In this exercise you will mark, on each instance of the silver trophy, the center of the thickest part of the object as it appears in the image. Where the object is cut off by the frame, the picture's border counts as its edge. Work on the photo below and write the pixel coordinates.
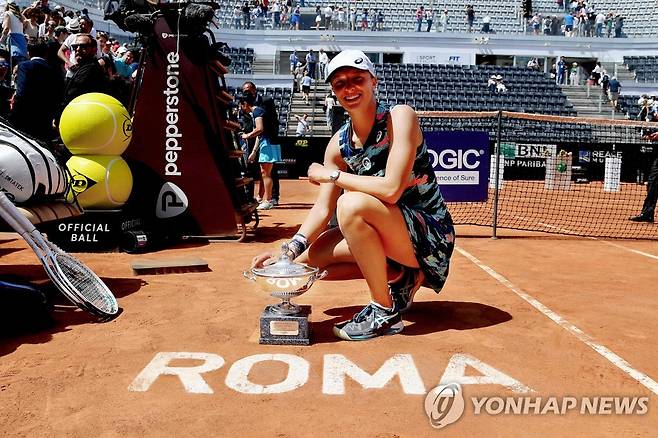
(286, 322)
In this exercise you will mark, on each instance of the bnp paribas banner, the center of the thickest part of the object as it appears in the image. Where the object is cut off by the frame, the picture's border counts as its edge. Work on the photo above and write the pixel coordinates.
(461, 163)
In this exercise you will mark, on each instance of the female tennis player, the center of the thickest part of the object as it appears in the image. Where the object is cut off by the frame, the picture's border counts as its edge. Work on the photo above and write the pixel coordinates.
(378, 179)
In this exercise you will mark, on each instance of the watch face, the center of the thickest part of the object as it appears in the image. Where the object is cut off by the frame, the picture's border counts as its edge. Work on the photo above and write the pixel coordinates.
(334, 175)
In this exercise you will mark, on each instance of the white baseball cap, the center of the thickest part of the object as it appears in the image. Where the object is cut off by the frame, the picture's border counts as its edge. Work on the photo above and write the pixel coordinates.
(350, 58)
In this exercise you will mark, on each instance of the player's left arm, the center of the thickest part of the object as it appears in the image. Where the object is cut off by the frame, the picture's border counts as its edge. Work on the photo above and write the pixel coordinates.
(404, 135)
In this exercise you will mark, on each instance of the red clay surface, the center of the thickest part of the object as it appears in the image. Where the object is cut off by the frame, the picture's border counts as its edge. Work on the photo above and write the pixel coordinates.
(72, 380)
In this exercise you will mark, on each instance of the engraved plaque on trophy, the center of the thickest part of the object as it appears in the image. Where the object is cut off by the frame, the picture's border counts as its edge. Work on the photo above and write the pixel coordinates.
(285, 323)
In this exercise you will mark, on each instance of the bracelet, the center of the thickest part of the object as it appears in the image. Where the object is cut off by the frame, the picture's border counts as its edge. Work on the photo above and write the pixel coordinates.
(297, 245)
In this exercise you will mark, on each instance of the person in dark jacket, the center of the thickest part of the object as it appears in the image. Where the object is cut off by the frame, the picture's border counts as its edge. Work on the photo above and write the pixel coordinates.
(88, 75)
(39, 90)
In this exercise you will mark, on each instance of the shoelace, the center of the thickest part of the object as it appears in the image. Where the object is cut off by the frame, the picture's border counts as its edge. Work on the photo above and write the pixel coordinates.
(364, 313)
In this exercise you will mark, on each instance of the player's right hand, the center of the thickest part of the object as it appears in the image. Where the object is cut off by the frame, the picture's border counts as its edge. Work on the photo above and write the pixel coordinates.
(264, 259)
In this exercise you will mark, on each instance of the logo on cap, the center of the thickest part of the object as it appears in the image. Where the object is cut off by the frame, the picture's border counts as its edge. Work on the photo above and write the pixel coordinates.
(358, 60)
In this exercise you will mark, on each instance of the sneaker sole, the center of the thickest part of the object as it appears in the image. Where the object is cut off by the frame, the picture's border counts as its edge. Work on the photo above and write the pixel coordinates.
(393, 330)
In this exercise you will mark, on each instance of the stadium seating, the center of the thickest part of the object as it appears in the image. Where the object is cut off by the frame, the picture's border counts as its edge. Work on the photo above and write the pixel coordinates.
(645, 68)
(241, 59)
(399, 15)
(432, 87)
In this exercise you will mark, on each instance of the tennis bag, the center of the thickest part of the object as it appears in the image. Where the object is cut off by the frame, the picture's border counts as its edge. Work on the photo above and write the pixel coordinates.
(28, 170)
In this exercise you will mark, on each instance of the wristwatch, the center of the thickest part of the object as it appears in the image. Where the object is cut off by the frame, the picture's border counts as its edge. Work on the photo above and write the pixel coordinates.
(333, 176)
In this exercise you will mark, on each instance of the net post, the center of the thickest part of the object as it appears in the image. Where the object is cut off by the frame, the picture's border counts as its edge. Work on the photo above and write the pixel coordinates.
(496, 174)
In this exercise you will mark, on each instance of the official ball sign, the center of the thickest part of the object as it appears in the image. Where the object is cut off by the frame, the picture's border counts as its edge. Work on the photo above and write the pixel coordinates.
(461, 164)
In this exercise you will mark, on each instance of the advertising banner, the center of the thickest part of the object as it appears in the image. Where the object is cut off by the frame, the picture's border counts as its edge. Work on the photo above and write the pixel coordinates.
(180, 166)
(461, 163)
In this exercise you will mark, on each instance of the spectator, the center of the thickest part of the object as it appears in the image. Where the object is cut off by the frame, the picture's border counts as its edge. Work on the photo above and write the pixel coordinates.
(323, 59)
(561, 68)
(643, 103)
(318, 21)
(341, 18)
(470, 17)
(533, 64)
(379, 14)
(491, 84)
(599, 22)
(619, 24)
(87, 74)
(294, 60)
(298, 75)
(237, 16)
(246, 16)
(65, 53)
(39, 90)
(303, 128)
(604, 82)
(574, 74)
(364, 19)
(353, 18)
(306, 87)
(328, 14)
(501, 88)
(31, 15)
(276, 15)
(106, 58)
(420, 12)
(614, 88)
(486, 24)
(609, 21)
(429, 17)
(124, 63)
(535, 23)
(596, 73)
(311, 62)
(547, 25)
(12, 32)
(295, 19)
(329, 103)
(445, 20)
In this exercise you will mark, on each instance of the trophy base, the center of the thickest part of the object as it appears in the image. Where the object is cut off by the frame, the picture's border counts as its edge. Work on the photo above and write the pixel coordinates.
(280, 329)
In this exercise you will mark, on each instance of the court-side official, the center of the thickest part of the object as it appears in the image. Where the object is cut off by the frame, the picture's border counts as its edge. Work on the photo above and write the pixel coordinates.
(271, 127)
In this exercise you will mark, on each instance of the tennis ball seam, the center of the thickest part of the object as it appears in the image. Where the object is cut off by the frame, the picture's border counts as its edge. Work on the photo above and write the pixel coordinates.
(114, 119)
(108, 184)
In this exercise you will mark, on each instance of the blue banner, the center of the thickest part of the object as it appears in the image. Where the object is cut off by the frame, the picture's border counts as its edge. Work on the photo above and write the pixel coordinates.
(461, 162)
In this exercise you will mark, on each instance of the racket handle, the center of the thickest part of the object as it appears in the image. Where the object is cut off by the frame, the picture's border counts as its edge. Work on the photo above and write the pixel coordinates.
(13, 217)
(7, 210)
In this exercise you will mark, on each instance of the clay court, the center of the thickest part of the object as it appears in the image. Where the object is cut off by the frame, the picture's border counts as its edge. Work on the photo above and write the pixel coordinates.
(556, 316)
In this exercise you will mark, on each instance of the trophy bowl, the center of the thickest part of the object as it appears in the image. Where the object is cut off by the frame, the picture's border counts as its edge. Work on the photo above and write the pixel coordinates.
(285, 279)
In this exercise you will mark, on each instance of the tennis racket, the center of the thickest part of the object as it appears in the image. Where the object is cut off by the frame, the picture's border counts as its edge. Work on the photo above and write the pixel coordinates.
(73, 278)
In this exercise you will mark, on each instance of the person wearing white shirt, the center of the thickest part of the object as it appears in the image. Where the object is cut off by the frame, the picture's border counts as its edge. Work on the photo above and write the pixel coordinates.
(328, 14)
(599, 22)
(323, 59)
(303, 128)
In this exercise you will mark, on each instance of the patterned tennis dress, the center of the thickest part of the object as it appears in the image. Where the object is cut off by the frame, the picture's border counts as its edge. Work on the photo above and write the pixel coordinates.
(425, 213)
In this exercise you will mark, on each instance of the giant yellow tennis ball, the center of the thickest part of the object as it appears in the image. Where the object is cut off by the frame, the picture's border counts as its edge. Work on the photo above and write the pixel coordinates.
(97, 124)
(101, 182)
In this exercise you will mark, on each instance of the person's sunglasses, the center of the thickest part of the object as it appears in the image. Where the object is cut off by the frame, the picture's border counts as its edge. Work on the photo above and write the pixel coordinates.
(4, 64)
(82, 46)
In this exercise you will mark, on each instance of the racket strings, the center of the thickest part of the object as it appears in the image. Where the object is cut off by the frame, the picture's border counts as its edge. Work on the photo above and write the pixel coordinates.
(86, 284)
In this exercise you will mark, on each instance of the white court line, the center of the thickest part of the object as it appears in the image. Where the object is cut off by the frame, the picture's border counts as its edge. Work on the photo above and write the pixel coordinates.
(642, 253)
(613, 358)
(564, 230)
